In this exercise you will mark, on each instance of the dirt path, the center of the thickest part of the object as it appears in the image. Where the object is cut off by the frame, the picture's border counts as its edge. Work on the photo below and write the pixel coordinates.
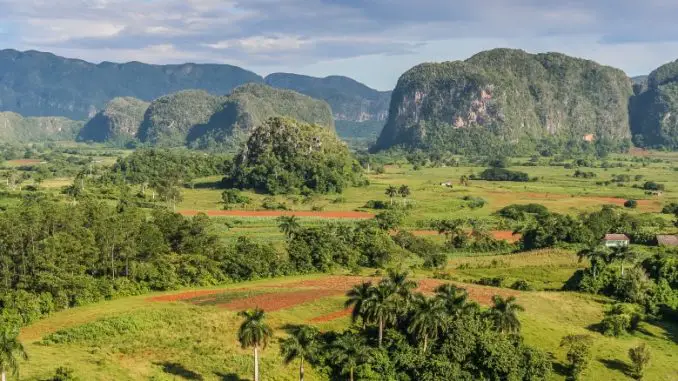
(277, 213)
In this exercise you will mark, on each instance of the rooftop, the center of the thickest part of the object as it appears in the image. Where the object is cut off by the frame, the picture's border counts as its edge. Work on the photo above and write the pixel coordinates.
(616, 237)
(667, 240)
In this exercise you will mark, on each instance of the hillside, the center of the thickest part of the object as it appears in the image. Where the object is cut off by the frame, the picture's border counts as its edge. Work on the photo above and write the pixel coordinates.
(16, 128)
(350, 100)
(43, 84)
(118, 121)
(654, 109)
(506, 98)
(202, 120)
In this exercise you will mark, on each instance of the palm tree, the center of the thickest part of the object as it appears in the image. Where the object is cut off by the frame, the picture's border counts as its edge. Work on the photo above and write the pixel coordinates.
(623, 254)
(10, 349)
(402, 286)
(453, 298)
(504, 312)
(453, 230)
(302, 344)
(348, 351)
(289, 225)
(404, 192)
(391, 192)
(596, 256)
(380, 307)
(429, 318)
(254, 333)
(356, 298)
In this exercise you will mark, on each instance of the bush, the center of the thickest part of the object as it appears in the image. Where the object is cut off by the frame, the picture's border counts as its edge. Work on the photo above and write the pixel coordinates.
(652, 186)
(519, 212)
(377, 204)
(502, 174)
(671, 208)
(269, 203)
(493, 282)
(640, 358)
(632, 204)
(620, 320)
(474, 202)
(522, 285)
(234, 196)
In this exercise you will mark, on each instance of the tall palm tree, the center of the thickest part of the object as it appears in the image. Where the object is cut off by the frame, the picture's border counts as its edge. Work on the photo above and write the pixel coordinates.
(504, 312)
(380, 307)
(254, 333)
(289, 225)
(404, 192)
(402, 286)
(597, 257)
(623, 254)
(429, 318)
(453, 298)
(391, 192)
(10, 350)
(302, 344)
(357, 296)
(349, 351)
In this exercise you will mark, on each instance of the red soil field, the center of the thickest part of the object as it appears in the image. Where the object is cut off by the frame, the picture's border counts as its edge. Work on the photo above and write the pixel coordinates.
(331, 316)
(497, 234)
(279, 301)
(278, 213)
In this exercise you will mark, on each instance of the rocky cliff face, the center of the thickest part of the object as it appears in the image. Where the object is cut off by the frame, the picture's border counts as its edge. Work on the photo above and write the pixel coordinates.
(119, 121)
(654, 109)
(506, 96)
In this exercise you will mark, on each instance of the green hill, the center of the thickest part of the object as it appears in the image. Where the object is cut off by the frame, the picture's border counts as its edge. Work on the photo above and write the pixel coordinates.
(43, 84)
(654, 109)
(506, 99)
(118, 121)
(16, 128)
(203, 120)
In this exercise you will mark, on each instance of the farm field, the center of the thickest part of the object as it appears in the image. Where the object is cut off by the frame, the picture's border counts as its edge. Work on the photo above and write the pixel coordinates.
(192, 334)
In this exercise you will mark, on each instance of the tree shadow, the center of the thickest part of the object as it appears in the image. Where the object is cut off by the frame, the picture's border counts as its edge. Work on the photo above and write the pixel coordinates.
(595, 327)
(560, 368)
(617, 365)
(229, 377)
(179, 370)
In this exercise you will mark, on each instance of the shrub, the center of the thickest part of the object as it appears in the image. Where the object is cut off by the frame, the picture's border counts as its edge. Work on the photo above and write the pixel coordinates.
(632, 204)
(619, 320)
(502, 174)
(474, 202)
(234, 196)
(652, 186)
(671, 208)
(578, 354)
(640, 358)
(519, 212)
(377, 204)
(522, 285)
(269, 203)
(493, 282)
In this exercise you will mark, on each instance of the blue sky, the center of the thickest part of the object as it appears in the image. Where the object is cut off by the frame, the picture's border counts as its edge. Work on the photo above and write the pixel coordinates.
(373, 41)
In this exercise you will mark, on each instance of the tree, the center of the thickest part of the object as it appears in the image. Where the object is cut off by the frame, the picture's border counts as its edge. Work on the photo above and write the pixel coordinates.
(640, 357)
(404, 192)
(402, 286)
(453, 230)
(428, 319)
(453, 298)
(254, 333)
(302, 344)
(391, 192)
(464, 180)
(349, 351)
(380, 307)
(357, 298)
(596, 256)
(623, 254)
(289, 225)
(10, 350)
(578, 354)
(504, 312)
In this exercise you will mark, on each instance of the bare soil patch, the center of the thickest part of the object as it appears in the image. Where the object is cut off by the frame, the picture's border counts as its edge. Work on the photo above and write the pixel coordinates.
(277, 213)
(24, 161)
(279, 301)
(332, 316)
(184, 296)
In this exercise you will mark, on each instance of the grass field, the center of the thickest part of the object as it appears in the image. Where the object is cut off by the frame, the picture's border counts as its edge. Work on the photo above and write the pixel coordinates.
(193, 335)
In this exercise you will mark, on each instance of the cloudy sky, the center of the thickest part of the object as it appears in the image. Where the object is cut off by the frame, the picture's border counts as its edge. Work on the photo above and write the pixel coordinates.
(373, 41)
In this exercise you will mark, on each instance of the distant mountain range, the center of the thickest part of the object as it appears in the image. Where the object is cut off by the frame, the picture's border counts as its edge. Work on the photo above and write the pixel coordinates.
(42, 84)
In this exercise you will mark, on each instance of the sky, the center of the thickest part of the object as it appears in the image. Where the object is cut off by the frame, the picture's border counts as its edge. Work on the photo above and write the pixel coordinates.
(373, 41)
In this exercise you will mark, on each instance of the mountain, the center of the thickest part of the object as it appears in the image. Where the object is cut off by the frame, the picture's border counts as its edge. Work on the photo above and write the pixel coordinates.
(16, 128)
(654, 109)
(350, 100)
(506, 98)
(202, 120)
(118, 121)
(42, 84)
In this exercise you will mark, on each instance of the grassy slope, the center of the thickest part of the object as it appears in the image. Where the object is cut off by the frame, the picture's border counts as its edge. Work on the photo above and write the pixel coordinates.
(201, 340)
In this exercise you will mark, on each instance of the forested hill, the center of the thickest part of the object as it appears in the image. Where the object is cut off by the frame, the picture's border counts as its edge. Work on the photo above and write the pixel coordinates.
(43, 84)
(16, 128)
(507, 98)
(654, 109)
(350, 100)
